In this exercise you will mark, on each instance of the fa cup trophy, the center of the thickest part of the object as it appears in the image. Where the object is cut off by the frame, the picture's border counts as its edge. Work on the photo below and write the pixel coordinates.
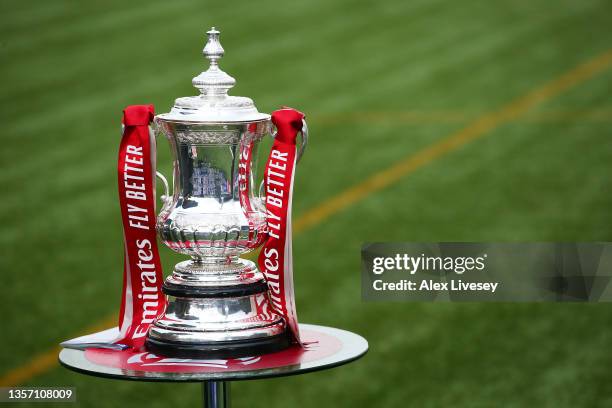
(216, 317)
(218, 304)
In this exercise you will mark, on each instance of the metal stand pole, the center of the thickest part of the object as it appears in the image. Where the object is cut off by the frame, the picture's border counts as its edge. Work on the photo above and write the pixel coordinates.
(216, 394)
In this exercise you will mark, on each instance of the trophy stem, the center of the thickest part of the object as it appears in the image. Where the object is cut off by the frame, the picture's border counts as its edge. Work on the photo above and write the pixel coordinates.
(214, 260)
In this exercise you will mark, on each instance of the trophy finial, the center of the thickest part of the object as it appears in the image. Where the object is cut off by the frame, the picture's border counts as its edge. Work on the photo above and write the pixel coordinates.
(213, 49)
(213, 81)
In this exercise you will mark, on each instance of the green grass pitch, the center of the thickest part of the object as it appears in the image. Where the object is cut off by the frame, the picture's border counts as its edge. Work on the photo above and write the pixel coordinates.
(379, 81)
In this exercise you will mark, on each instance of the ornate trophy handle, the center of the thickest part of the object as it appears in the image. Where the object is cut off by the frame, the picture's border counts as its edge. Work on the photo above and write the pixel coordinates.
(166, 196)
(300, 152)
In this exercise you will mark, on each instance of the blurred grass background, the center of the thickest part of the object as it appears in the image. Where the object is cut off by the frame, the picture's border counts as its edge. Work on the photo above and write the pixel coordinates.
(379, 81)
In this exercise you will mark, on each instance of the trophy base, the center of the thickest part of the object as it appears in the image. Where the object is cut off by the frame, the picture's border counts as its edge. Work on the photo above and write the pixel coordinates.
(219, 349)
(217, 310)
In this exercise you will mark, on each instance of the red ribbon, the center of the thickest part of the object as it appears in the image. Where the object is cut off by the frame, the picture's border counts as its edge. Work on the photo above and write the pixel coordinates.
(275, 258)
(142, 300)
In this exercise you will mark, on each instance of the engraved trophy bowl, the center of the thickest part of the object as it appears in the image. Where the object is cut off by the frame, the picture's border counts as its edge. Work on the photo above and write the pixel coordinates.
(218, 304)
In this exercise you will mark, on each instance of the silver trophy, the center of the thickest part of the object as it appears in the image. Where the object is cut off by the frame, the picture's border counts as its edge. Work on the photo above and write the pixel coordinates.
(218, 305)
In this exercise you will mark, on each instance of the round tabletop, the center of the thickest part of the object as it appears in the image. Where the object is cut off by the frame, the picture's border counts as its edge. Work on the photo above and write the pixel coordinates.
(324, 347)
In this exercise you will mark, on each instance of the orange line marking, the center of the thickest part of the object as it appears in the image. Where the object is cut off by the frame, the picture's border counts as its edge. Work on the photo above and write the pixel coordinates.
(474, 130)
(47, 360)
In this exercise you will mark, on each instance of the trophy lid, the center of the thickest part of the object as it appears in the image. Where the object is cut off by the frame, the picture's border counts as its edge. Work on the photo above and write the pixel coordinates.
(213, 105)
